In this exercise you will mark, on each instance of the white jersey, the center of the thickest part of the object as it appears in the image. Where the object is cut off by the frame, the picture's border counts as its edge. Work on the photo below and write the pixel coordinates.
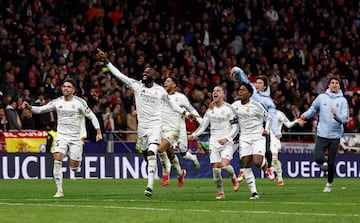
(171, 119)
(223, 124)
(282, 120)
(83, 132)
(148, 100)
(251, 117)
(70, 116)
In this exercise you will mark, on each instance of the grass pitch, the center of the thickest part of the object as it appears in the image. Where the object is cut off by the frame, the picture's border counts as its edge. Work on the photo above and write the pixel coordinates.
(300, 200)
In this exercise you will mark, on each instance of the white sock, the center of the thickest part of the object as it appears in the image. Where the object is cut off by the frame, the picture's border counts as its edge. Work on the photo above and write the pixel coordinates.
(189, 156)
(277, 164)
(250, 179)
(58, 175)
(229, 170)
(152, 166)
(176, 164)
(218, 180)
(165, 163)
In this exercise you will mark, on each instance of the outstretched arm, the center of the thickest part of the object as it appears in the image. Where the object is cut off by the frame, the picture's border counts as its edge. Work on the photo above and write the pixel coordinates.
(282, 118)
(122, 77)
(39, 109)
(239, 74)
(202, 127)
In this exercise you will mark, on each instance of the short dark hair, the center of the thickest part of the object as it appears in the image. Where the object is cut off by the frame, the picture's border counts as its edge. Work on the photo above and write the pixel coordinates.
(334, 78)
(248, 87)
(264, 79)
(69, 80)
(174, 80)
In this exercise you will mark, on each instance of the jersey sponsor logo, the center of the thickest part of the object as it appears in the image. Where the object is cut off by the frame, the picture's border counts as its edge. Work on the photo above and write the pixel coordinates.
(62, 113)
(149, 99)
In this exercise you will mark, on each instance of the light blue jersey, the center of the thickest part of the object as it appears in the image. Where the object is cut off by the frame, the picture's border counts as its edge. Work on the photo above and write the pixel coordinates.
(330, 126)
(263, 98)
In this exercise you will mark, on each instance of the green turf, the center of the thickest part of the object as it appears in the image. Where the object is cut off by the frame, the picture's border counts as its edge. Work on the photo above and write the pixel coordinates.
(300, 200)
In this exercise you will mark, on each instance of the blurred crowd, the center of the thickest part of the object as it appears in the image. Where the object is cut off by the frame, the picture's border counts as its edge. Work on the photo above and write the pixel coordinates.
(297, 44)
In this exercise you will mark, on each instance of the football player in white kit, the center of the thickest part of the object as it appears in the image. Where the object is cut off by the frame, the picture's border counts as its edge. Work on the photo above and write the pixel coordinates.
(275, 144)
(261, 95)
(149, 97)
(70, 110)
(174, 131)
(223, 128)
(252, 142)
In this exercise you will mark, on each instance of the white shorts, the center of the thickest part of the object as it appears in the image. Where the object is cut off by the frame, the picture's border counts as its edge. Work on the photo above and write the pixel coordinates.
(275, 145)
(224, 151)
(69, 146)
(149, 136)
(251, 145)
(171, 136)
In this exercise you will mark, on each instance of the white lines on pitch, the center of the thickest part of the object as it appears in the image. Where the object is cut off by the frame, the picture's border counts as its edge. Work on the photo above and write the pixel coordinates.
(186, 210)
(175, 201)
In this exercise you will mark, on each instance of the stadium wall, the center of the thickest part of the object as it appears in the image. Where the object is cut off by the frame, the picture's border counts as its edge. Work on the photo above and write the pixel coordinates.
(132, 165)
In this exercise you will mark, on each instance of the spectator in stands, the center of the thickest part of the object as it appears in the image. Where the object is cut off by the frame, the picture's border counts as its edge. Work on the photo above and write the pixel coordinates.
(3, 120)
(243, 37)
(91, 131)
(12, 116)
(119, 117)
(108, 121)
(9, 86)
(131, 125)
(27, 120)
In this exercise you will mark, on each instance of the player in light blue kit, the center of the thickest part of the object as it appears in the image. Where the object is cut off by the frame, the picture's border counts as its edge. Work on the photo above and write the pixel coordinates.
(333, 111)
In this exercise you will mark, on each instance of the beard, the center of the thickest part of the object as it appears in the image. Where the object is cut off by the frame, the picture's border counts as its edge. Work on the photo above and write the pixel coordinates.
(146, 80)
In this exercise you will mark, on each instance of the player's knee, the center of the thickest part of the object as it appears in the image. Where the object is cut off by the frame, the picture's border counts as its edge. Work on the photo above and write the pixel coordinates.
(274, 159)
(261, 163)
(150, 153)
(275, 162)
(151, 157)
(171, 157)
(75, 168)
(183, 148)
